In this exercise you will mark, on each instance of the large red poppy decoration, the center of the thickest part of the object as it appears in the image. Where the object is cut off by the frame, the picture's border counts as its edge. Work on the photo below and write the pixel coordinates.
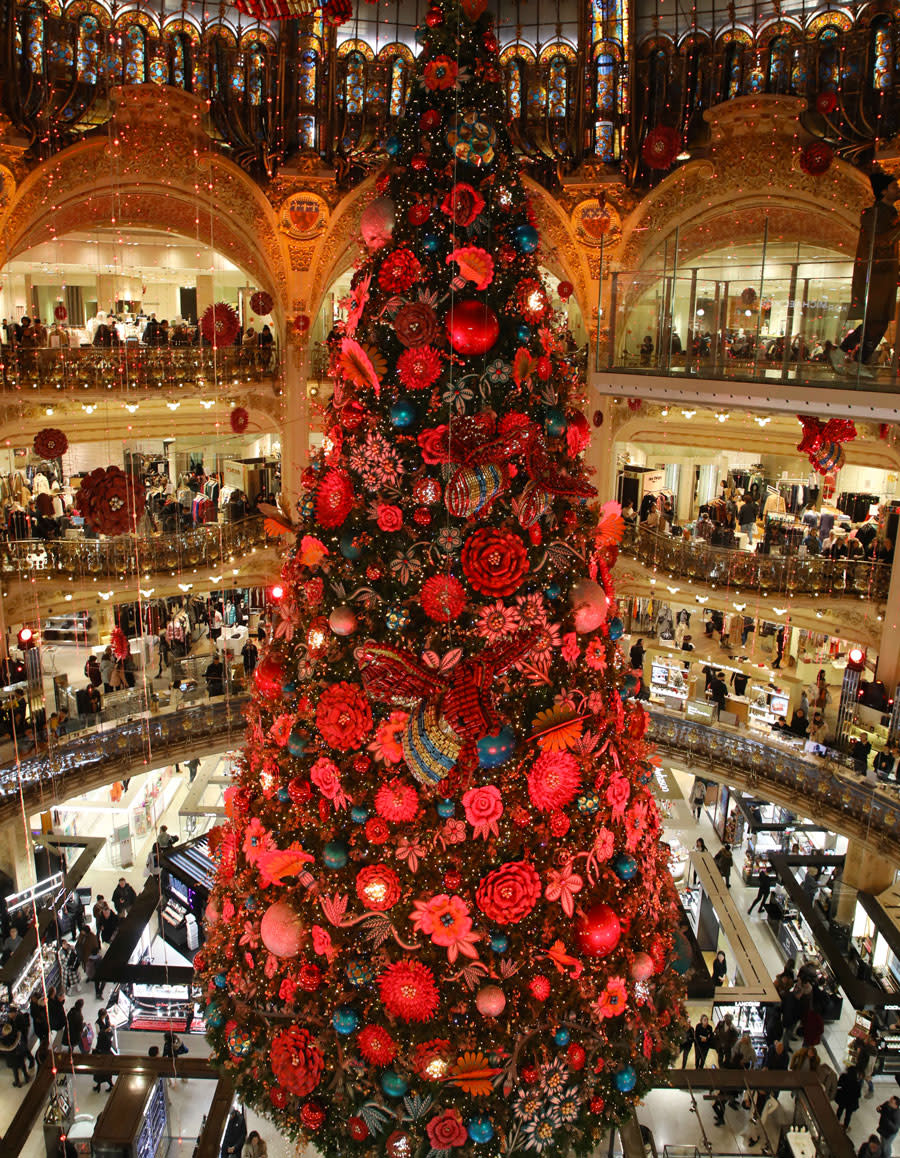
(661, 146)
(220, 324)
(50, 443)
(816, 158)
(261, 303)
(110, 500)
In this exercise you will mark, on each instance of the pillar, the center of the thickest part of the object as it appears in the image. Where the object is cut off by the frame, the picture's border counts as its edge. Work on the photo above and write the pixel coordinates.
(206, 294)
(863, 870)
(105, 621)
(889, 647)
(295, 428)
(15, 854)
(601, 454)
(106, 292)
(685, 496)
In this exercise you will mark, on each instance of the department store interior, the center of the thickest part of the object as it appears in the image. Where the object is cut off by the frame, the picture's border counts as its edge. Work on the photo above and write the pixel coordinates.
(698, 174)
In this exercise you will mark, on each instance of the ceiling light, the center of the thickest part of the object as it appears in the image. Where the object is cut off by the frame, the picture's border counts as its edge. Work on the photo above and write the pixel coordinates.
(173, 405)
(88, 409)
(739, 606)
(49, 411)
(206, 404)
(722, 417)
(131, 407)
(763, 421)
(106, 594)
(779, 610)
(702, 598)
(146, 591)
(689, 413)
(185, 586)
(672, 590)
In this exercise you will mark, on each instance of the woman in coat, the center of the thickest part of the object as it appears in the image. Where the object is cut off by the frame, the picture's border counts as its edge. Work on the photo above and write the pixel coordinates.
(848, 1093)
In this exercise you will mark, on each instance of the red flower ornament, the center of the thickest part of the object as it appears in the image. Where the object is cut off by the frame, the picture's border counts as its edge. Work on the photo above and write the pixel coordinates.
(816, 158)
(296, 1060)
(50, 443)
(441, 73)
(661, 146)
(494, 561)
(409, 991)
(508, 894)
(239, 419)
(220, 324)
(343, 716)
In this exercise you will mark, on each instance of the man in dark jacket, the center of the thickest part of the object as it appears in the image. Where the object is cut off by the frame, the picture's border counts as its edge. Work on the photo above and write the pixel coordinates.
(724, 860)
(888, 1123)
(123, 896)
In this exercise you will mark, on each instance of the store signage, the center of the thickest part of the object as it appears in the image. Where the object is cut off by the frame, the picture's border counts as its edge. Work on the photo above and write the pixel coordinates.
(654, 481)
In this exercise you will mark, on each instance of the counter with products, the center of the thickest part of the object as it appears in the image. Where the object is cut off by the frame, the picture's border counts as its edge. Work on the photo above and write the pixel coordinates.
(766, 706)
(42, 963)
(155, 1008)
(669, 683)
(134, 1123)
(747, 1017)
(888, 1039)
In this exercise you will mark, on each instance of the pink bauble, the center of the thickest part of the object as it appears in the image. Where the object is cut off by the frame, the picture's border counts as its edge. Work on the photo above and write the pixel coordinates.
(376, 223)
(211, 913)
(491, 1001)
(269, 676)
(642, 968)
(472, 327)
(281, 930)
(589, 602)
(342, 620)
(598, 931)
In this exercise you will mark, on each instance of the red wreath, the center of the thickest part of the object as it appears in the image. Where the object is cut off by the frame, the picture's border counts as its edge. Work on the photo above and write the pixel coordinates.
(301, 324)
(110, 500)
(50, 443)
(119, 643)
(826, 103)
(816, 158)
(240, 420)
(661, 146)
(261, 303)
(220, 324)
(60, 313)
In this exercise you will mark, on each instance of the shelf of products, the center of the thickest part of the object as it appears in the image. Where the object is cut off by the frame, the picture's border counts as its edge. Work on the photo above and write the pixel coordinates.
(668, 684)
(678, 859)
(154, 1124)
(747, 1018)
(42, 961)
(766, 706)
(155, 1008)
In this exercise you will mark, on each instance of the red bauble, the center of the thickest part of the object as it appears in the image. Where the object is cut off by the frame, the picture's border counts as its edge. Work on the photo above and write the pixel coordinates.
(261, 303)
(357, 1129)
(530, 1075)
(540, 988)
(239, 419)
(430, 119)
(418, 214)
(434, 18)
(826, 103)
(598, 418)
(301, 323)
(575, 1056)
(816, 158)
(565, 289)
(312, 1115)
(310, 977)
(598, 931)
(661, 146)
(472, 327)
(269, 676)
(418, 162)
(398, 1145)
(452, 880)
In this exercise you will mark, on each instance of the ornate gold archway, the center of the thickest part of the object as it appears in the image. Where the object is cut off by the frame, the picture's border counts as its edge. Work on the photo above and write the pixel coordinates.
(154, 168)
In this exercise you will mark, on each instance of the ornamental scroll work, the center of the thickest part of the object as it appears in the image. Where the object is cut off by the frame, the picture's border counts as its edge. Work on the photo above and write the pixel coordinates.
(303, 216)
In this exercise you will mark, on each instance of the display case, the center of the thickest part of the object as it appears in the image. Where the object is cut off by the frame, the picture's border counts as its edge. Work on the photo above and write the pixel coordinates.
(155, 1008)
(748, 1017)
(766, 706)
(42, 962)
(669, 684)
(135, 1120)
(701, 710)
(678, 860)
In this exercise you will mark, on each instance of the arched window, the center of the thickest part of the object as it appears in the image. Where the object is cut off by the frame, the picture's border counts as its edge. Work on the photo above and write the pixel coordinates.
(181, 61)
(604, 126)
(828, 60)
(398, 87)
(883, 55)
(355, 84)
(256, 71)
(514, 89)
(734, 67)
(557, 88)
(200, 73)
(307, 85)
(33, 46)
(238, 80)
(135, 48)
(779, 80)
(88, 49)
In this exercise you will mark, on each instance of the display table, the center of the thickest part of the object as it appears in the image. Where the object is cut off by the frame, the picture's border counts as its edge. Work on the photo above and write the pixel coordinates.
(232, 639)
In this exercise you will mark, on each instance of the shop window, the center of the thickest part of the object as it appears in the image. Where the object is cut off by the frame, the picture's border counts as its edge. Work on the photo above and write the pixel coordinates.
(88, 49)
(355, 84)
(135, 44)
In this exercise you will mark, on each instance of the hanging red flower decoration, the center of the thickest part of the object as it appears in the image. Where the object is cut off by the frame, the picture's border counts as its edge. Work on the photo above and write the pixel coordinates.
(220, 324)
(416, 324)
(816, 158)
(494, 561)
(565, 289)
(301, 324)
(419, 367)
(463, 204)
(661, 146)
(336, 12)
(408, 991)
(399, 271)
(377, 1046)
(239, 419)
(826, 103)
(343, 716)
(261, 303)
(334, 498)
(60, 312)
(443, 598)
(50, 443)
(441, 73)
(296, 1060)
(119, 643)
(508, 894)
(748, 295)
(110, 500)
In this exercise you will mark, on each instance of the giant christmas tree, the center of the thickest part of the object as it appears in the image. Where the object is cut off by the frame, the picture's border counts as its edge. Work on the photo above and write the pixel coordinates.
(443, 918)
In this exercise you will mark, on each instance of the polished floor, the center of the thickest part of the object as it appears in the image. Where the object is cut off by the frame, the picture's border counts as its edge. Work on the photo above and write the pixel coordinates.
(674, 1118)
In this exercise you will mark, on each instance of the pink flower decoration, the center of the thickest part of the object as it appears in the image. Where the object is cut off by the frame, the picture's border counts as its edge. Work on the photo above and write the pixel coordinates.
(257, 840)
(484, 807)
(321, 940)
(570, 649)
(446, 921)
(326, 776)
(562, 885)
(453, 832)
(447, 1130)
(411, 852)
(617, 795)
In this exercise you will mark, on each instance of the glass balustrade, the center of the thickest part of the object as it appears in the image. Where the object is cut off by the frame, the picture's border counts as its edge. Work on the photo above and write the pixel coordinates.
(759, 318)
(694, 559)
(134, 368)
(49, 560)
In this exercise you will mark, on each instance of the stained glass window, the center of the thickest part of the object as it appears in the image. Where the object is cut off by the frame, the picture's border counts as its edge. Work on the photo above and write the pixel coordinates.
(159, 70)
(514, 88)
(179, 61)
(256, 74)
(557, 87)
(883, 64)
(306, 130)
(309, 64)
(200, 72)
(733, 68)
(398, 88)
(88, 49)
(34, 41)
(355, 83)
(238, 84)
(610, 20)
(135, 46)
(828, 60)
(779, 65)
(604, 133)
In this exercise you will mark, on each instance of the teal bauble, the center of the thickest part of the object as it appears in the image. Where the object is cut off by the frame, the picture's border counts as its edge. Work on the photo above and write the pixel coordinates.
(523, 332)
(394, 1084)
(213, 1015)
(499, 942)
(626, 1079)
(220, 981)
(403, 413)
(345, 1019)
(334, 854)
(431, 243)
(358, 814)
(496, 750)
(297, 742)
(616, 629)
(350, 549)
(527, 238)
(562, 1036)
(626, 866)
(480, 1129)
(554, 422)
(392, 146)
(446, 809)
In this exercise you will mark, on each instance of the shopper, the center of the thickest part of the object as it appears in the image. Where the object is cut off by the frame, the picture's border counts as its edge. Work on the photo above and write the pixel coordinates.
(687, 1043)
(888, 1123)
(56, 1010)
(165, 839)
(69, 965)
(249, 655)
(123, 897)
(884, 762)
(777, 1056)
(725, 1037)
(93, 672)
(98, 908)
(860, 750)
(848, 1093)
(87, 945)
(74, 1026)
(744, 1055)
(747, 518)
(108, 924)
(719, 969)
(215, 678)
(698, 798)
(103, 1047)
(637, 655)
(703, 1040)
(254, 1147)
(173, 1046)
(75, 911)
(39, 1020)
(11, 943)
(763, 888)
(812, 1026)
(799, 723)
(724, 860)
(805, 1058)
(13, 1048)
(871, 1148)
